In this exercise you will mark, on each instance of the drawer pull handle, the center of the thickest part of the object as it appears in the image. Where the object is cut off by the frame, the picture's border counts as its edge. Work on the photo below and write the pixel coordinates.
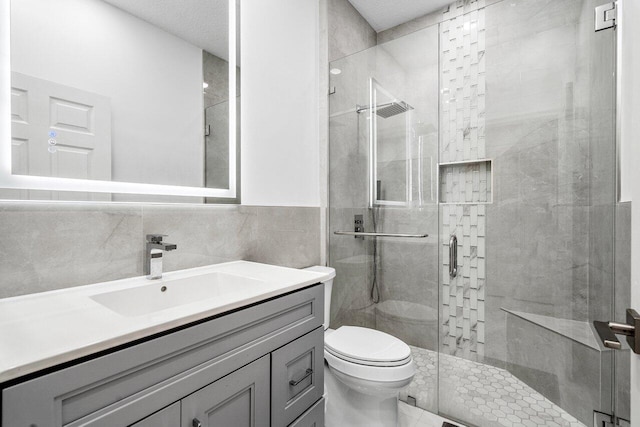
(196, 423)
(306, 375)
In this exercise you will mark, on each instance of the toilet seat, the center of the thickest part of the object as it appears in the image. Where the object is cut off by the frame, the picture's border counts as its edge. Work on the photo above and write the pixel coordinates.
(367, 347)
(369, 355)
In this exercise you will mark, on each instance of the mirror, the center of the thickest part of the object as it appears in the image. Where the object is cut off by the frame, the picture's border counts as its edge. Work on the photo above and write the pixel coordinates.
(123, 97)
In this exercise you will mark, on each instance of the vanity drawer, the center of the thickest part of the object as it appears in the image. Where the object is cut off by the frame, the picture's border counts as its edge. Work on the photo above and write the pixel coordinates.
(314, 417)
(125, 386)
(167, 417)
(297, 377)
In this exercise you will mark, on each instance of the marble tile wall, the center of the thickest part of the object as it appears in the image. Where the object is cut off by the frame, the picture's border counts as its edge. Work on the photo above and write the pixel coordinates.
(462, 139)
(465, 183)
(50, 246)
(463, 297)
(550, 229)
(538, 137)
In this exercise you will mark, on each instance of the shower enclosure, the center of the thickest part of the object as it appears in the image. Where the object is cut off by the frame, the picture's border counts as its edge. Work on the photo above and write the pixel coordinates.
(494, 125)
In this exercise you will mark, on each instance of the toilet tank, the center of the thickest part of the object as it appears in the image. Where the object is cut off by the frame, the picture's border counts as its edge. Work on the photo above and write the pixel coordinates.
(328, 287)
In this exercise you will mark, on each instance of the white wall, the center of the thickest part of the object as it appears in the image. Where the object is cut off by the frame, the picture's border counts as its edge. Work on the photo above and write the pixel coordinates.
(280, 95)
(631, 139)
(153, 78)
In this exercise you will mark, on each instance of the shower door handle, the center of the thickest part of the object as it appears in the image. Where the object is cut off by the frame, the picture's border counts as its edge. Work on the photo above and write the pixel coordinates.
(453, 256)
(608, 331)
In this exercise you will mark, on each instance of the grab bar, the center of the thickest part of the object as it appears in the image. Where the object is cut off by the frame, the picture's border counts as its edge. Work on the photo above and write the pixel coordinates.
(453, 256)
(365, 234)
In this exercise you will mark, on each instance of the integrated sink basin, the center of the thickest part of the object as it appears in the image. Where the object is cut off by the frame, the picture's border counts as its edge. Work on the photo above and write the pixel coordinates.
(50, 328)
(164, 294)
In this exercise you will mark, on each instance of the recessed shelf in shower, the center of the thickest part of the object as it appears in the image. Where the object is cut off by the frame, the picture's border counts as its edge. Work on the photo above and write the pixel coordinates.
(466, 182)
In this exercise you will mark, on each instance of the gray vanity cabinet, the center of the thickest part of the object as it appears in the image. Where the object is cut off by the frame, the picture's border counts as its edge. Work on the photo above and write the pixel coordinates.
(240, 399)
(314, 417)
(223, 371)
(297, 370)
(167, 417)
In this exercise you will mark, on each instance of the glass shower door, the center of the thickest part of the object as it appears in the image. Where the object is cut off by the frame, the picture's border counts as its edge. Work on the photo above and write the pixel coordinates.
(527, 185)
(495, 125)
(382, 164)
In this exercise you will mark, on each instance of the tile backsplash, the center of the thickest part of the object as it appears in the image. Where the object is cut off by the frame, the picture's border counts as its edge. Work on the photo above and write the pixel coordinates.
(50, 246)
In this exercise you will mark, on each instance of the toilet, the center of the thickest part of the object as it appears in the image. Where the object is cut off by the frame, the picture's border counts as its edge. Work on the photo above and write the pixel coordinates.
(364, 371)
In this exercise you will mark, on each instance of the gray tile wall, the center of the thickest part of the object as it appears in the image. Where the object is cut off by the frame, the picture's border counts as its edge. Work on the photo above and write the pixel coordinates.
(564, 371)
(406, 269)
(550, 230)
(50, 246)
(537, 227)
(348, 31)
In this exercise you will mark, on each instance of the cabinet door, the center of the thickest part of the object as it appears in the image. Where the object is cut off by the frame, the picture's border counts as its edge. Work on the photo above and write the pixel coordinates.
(167, 417)
(314, 417)
(241, 399)
(297, 377)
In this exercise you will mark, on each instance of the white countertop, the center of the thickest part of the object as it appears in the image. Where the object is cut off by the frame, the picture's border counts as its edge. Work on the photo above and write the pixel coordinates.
(42, 330)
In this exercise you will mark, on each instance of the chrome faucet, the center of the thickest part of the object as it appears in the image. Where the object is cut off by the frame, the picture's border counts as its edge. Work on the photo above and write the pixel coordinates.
(153, 255)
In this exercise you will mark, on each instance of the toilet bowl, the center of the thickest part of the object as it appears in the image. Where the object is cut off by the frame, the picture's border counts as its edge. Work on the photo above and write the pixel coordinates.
(365, 370)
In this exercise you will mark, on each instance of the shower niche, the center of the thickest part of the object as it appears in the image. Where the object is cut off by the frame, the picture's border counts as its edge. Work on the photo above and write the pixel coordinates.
(466, 182)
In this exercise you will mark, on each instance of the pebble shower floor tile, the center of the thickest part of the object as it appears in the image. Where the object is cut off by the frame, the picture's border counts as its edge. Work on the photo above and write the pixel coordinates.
(485, 395)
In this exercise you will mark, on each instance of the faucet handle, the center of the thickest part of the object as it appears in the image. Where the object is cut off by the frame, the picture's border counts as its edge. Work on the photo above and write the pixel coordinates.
(155, 238)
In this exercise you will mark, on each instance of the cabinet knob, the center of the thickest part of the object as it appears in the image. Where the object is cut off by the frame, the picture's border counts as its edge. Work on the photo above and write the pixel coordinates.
(196, 423)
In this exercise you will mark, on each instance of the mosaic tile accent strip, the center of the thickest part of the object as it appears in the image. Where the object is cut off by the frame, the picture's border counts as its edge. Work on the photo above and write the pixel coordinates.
(462, 139)
(487, 395)
(463, 297)
(466, 182)
(463, 86)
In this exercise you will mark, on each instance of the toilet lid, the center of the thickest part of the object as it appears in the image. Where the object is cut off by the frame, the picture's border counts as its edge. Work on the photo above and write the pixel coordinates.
(367, 347)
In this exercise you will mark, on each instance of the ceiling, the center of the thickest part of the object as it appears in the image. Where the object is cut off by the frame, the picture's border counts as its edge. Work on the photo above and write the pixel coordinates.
(385, 14)
(203, 23)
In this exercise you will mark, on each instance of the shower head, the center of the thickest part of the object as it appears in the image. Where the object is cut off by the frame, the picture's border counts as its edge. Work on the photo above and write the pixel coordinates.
(389, 109)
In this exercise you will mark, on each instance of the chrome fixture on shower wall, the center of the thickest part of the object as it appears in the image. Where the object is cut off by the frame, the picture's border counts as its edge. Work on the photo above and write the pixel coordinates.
(358, 226)
(453, 256)
(388, 109)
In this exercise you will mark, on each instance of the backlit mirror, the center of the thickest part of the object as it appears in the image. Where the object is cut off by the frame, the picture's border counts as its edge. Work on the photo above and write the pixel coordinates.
(118, 96)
